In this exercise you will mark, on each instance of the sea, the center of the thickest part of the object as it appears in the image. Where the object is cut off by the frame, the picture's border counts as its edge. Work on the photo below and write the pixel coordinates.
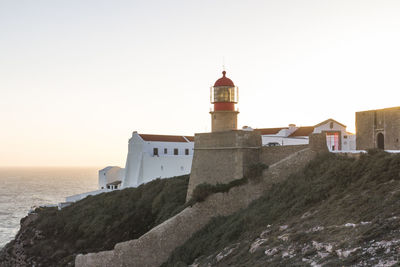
(27, 187)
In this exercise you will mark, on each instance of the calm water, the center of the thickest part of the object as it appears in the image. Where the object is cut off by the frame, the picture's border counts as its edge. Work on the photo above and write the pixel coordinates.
(22, 188)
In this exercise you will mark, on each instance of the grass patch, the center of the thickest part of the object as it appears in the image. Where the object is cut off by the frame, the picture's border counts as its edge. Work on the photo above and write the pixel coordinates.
(202, 191)
(254, 171)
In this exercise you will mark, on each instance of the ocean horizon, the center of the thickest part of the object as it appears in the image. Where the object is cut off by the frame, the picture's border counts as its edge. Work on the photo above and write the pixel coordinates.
(25, 187)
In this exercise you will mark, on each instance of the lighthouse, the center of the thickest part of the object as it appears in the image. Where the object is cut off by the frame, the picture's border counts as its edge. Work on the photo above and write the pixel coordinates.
(224, 97)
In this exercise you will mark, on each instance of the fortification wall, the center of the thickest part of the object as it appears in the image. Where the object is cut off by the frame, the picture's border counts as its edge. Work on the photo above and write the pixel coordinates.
(365, 130)
(318, 142)
(221, 157)
(372, 122)
(392, 129)
(272, 154)
(154, 247)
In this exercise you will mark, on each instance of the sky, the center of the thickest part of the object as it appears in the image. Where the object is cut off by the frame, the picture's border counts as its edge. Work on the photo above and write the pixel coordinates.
(78, 76)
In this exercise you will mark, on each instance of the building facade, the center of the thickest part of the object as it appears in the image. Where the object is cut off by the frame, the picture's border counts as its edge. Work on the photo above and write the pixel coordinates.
(378, 128)
(157, 156)
(111, 177)
(337, 138)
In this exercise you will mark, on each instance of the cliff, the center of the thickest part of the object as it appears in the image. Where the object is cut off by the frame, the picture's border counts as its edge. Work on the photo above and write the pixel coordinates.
(49, 237)
(337, 211)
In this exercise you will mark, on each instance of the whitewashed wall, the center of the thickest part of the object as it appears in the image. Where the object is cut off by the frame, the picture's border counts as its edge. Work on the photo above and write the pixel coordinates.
(348, 141)
(284, 141)
(110, 174)
(143, 166)
(164, 167)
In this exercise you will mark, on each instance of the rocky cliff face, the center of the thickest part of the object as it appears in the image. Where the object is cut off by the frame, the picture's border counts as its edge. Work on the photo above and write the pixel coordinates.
(14, 253)
(53, 238)
(302, 244)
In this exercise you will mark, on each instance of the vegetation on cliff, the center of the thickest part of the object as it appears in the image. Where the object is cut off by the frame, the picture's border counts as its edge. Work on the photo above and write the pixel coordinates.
(337, 211)
(202, 191)
(53, 238)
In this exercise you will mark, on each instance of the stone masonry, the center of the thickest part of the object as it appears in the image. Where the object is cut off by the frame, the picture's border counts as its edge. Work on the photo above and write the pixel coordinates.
(372, 123)
(222, 120)
(221, 157)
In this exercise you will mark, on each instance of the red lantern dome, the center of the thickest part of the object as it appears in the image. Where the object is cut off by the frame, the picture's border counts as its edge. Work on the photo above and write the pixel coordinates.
(224, 81)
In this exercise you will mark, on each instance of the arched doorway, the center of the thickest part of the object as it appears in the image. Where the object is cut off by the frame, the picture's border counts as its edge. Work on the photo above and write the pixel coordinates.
(380, 141)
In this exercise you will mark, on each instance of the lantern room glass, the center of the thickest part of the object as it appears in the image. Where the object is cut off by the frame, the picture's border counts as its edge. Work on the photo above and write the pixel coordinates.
(223, 94)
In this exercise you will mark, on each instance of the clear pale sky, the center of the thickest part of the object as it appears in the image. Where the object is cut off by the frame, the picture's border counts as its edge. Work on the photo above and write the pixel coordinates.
(78, 76)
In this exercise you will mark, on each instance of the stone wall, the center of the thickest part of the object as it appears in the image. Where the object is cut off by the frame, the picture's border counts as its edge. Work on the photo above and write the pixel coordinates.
(223, 120)
(392, 128)
(221, 157)
(318, 142)
(365, 137)
(154, 247)
(272, 154)
(372, 122)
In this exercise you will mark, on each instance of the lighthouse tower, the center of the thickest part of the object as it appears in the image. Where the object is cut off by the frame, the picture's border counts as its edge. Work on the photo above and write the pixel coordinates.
(223, 155)
(224, 97)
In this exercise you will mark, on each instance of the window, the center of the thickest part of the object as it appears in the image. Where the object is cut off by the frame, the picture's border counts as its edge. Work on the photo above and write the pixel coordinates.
(165, 151)
(186, 151)
(175, 151)
(345, 136)
(155, 151)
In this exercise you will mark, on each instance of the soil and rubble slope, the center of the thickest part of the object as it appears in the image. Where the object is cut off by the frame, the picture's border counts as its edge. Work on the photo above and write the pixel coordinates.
(338, 211)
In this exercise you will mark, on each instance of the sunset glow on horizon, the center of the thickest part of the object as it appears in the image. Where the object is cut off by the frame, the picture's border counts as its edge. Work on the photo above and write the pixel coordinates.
(78, 77)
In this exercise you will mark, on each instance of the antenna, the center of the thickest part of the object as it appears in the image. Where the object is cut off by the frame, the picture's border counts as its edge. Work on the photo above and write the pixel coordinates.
(223, 63)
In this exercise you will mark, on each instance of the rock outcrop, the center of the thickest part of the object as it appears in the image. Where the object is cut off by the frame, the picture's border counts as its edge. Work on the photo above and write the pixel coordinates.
(13, 254)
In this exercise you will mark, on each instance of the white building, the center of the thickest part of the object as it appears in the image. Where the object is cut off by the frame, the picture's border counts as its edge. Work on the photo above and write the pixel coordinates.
(338, 139)
(157, 156)
(111, 177)
(149, 157)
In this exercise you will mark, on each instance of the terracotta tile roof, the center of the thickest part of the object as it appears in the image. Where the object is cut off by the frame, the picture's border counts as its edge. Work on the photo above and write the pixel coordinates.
(164, 138)
(270, 130)
(190, 138)
(302, 131)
